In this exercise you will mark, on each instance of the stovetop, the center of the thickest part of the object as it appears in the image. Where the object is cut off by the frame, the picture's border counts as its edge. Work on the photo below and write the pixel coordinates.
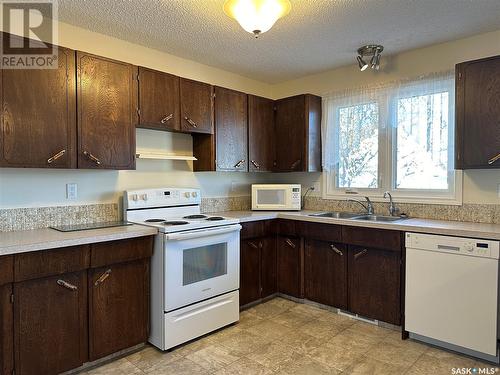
(177, 224)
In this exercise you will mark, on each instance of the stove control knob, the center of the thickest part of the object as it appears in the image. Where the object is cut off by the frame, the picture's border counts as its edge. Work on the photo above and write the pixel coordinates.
(144, 197)
(135, 197)
(469, 247)
(194, 194)
(186, 194)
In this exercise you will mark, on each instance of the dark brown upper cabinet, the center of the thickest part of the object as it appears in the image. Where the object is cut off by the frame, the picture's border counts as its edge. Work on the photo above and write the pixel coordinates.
(38, 124)
(107, 112)
(159, 100)
(260, 134)
(196, 107)
(477, 134)
(231, 130)
(298, 134)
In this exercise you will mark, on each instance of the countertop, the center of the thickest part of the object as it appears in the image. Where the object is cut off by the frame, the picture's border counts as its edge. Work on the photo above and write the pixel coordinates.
(451, 228)
(43, 239)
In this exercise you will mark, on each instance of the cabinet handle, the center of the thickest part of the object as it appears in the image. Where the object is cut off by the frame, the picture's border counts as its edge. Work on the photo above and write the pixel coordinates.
(255, 164)
(55, 157)
(290, 243)
(360, 254)
(167, 118)
(103, 277)
(92, 157)
(67, 285)
(295, 164)
(494, 159)
(260, 244)
(190, 122)
(334, 248)
(253, 245)
(238, 164)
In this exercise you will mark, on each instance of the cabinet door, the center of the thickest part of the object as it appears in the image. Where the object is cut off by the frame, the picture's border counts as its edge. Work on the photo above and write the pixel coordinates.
(6, 331)
(268, 266)
(38, 125)
(231, 130)
(196, 106)
(260, 134)
(325, 273)
(478, 114)
(289, 266)
(50, 324)
(107, 112)
(290, 134)
(159, 100)
(249, 271)
(374, 283)
(118, 307)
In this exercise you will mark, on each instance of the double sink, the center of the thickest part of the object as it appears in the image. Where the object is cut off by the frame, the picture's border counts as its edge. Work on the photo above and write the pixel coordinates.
(358, 216)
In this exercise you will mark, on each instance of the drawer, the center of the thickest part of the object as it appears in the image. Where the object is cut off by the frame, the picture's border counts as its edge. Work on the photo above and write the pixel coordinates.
(287, 227)
(6, 269)
(106, 253)
(320, 231)
(372, 237)
(45, 263)
(252, 229)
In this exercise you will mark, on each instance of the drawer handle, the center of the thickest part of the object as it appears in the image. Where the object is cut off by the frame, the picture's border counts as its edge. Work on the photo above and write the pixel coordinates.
(92, 157)
(190, 122)
(56, 156)
(167, 118)
(290, 243)
(260, 244)
(239, 163)
(255, 164)
(103, 277)
(360, 254)
(295, 164)
(67, 285)
(334, 248)
(494, 159)
(253, 245)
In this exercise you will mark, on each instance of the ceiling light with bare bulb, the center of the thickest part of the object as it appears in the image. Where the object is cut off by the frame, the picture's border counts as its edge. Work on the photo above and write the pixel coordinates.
(257, 16)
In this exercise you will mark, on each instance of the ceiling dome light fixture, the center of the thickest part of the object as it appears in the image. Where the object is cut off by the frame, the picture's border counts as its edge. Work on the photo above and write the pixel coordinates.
(373, 50)
(257, 16)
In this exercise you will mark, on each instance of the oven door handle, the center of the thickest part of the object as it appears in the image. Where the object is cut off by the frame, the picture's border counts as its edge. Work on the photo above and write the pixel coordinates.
(203, 233)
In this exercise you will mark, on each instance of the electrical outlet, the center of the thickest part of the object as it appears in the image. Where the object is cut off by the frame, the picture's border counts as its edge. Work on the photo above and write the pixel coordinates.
(71, 191)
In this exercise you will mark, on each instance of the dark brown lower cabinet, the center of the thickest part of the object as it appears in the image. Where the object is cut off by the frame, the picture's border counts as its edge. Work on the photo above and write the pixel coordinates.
(289, 265)
(6, 330)
(374, 283)
(268, 270)
(50, 324)
(118, 307)
(325, 273)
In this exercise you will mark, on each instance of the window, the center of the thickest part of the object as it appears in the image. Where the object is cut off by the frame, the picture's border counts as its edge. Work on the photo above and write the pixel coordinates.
(397, 138)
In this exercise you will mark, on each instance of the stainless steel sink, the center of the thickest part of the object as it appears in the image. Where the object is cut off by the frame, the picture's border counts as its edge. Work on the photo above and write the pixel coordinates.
(378, 218)
(337, 215)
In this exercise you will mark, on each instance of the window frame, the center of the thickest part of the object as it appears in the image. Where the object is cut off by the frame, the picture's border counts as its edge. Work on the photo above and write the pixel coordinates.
(387, 152)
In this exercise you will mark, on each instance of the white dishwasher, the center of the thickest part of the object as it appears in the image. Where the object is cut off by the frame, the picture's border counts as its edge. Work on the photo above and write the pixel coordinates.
(452, 293)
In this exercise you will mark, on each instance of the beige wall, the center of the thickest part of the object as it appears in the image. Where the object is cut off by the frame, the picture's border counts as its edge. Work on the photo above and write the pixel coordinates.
(479, 186)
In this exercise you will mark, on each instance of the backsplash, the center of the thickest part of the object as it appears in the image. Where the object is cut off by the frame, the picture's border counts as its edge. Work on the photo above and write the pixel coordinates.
(42, 217)
(477, 213)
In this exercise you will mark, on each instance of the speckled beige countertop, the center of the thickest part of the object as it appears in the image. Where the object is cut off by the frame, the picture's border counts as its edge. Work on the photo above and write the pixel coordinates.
(43, 239)
(450, 228)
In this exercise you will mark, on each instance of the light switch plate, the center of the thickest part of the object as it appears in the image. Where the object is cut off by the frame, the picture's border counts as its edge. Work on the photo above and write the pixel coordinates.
(71, 191)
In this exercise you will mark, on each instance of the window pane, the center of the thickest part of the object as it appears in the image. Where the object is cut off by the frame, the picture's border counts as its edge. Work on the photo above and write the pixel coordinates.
(422, 142)
(358, 146)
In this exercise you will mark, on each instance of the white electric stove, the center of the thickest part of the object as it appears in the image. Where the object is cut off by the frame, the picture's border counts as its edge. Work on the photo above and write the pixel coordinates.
(195, 264)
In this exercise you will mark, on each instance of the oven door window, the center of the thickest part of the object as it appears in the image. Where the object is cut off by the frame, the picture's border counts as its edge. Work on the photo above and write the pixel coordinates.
(271, 196)
(203, 263)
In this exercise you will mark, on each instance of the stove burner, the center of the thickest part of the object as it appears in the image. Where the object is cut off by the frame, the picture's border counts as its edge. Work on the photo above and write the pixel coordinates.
(215, 218)
(175, 223)
(154, 220)
(195, 217)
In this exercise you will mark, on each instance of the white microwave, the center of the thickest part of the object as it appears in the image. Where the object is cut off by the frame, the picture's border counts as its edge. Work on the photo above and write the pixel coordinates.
(276, 197)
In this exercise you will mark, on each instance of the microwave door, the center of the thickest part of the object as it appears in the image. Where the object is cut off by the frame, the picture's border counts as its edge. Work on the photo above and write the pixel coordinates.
(273, 198)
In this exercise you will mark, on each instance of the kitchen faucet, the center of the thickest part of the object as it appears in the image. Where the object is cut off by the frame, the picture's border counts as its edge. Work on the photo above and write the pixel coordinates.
(392, 208)
(368, 206)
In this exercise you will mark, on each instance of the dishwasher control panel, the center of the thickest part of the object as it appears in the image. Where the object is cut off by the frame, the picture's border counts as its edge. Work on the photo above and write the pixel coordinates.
(457, 245)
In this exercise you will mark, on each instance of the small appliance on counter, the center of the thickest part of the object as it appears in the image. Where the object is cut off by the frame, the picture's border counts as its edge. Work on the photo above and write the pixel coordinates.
(276, 197)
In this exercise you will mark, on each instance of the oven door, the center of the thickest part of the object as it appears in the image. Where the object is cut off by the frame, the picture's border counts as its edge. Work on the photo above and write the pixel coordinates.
(201, 264)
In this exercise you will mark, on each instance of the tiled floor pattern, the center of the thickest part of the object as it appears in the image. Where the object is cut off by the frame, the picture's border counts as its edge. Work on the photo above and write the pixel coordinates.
(283, 337)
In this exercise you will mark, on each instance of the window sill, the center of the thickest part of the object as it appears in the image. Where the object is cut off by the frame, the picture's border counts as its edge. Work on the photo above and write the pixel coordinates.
(396, 198)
